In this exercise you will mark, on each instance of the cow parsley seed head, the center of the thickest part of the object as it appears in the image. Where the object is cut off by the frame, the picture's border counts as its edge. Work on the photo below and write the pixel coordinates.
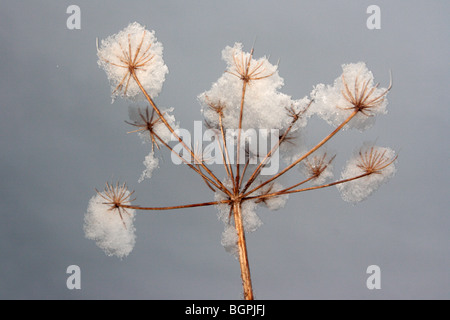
(377, 163)
(133, 51)
(353, 90)
(149, 125)
(264, 104)
(318, 167)
(109, 224)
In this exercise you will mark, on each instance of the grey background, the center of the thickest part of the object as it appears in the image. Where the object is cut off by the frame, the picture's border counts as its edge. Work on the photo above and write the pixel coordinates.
(60, 137)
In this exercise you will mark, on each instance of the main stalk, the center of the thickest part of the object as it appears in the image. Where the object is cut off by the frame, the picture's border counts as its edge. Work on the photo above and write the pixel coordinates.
(242, 251)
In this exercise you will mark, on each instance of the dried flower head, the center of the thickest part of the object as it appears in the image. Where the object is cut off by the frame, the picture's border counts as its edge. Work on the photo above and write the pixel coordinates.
(115, 197)
(362, 96)
(375, 166)
(353, 91)
(150, 126)
(145, 121)
(133, 52)
(318, 168)
(263, 106)
(247, 69)
(374, 160)
(110, 224)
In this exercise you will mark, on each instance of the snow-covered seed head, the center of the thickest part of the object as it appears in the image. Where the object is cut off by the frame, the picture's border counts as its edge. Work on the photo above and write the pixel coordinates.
(317, 166)
(217, 107)
(374, 161)
(246, 69)
(367, 171)
(108, 223)
(354, 91)
(133, 52)
(115, 197)
(264, 106)
(363, 96)
(145, 121)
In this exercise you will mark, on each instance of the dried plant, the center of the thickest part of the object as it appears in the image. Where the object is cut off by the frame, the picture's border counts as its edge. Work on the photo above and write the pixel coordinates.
(245, 97)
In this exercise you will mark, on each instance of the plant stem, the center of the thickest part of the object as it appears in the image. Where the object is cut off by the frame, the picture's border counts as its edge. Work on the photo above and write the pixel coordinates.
(242, 248)
(241, 114)
(289, 190)
(194, 205)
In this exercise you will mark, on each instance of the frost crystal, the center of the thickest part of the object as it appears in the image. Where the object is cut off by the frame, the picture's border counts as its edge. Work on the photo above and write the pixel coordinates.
(112, 232)
(134, 49)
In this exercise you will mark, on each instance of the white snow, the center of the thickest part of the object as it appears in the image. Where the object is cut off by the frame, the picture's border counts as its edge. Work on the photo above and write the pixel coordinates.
(114, 235)
(114, 54)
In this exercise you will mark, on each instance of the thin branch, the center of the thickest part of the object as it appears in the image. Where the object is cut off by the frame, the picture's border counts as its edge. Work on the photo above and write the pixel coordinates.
(152, 103)
(282, 192)
(194, 205)
(324, 140)
(228, 162)
(297, 184)
(244, 86)
(204, 177)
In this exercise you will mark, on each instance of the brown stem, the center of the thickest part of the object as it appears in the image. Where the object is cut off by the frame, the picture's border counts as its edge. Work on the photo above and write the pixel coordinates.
(241, 114)
(204, 179)
(297, 184)
(243, 173)
(227, 162)
(203, 204)
(242, 250)
(288, 190)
